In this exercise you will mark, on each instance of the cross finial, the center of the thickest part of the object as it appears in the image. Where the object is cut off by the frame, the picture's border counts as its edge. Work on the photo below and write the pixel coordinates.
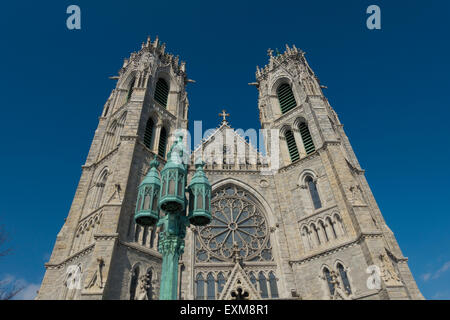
(269, 52)
(224, 115)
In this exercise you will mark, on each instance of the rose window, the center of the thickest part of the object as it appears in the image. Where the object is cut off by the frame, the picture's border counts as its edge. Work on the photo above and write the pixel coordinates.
(238, 227)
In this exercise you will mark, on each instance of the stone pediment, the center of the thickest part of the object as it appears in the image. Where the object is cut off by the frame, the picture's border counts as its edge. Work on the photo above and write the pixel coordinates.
(226, 146)
(239, 286)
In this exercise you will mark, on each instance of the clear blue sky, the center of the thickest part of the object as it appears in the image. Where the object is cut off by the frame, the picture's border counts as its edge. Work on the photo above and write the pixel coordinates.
(390, 88)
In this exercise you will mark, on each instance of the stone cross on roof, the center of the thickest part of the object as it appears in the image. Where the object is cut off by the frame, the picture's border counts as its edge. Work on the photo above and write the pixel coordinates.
(224, 115)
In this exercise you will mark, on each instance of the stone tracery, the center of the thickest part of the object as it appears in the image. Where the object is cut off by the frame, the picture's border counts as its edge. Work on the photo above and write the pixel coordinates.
(237, 220)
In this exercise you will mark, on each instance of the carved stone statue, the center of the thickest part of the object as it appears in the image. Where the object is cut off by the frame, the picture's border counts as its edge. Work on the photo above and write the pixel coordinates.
(339, 293)
(388, 273)
(97, 277)
(356, 194)
(178, 152)
(144, 285)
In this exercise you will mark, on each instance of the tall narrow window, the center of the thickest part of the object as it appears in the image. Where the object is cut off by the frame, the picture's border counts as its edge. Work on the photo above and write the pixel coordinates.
(327, 275)
(314, 193)
(263, 285)
(273, 285)
(100, 186)
(331, 224)
(148, 135)
(286, 97)
(130, 90)
(292, 147)
(210, 287)
(134, 283)
(344, 278)
(253, 280)
(162, 92)
(220, 282)
(306, 138)
(324, 231)
(162, 143)
(200, 294)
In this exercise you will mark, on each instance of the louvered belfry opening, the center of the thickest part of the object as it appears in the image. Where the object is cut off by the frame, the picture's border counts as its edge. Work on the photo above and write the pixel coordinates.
(292, 147)
(130, 89)
(162, 92)
(286, 97)
(162, 143)
(148, 135)
(306, 138)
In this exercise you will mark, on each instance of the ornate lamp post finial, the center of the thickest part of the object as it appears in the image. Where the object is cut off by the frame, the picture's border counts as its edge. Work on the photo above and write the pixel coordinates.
(167, 193)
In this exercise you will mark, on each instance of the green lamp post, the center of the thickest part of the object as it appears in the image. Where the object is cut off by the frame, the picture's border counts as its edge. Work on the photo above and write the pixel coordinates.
(168, 194)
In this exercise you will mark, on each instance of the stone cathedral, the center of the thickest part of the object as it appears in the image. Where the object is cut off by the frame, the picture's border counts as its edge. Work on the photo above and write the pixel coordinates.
(308, 229)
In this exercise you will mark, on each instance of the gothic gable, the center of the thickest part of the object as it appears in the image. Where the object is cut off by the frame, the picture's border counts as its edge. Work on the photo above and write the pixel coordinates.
(238, 286)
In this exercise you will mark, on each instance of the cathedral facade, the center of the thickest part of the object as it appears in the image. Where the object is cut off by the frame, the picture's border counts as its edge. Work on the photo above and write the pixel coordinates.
(297, 222)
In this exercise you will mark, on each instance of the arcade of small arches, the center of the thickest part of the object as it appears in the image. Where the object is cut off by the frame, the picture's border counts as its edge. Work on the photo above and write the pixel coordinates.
(85, 232)
(321, 231)
(146, 236)
(209, 284)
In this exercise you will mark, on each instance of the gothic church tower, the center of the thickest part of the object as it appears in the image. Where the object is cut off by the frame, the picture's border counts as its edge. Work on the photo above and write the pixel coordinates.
(99, 249)
(333, 227)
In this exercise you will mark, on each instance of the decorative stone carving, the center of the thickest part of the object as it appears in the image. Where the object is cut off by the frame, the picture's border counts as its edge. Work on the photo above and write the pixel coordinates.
(264, 183)
(237, 221)
(144, 286)
(339, 293)
(388, 272)
(97, 278)
(356, 195)
(238, 286)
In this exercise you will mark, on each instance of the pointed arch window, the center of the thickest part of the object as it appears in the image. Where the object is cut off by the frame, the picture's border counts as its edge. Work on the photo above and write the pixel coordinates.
(331, 224)
(253, 280)
(200, 292)
(134, 283)
(273, 285)
(130, 89)
(306, 138)
(327, 276)
(100, 185)
(324, 231)
(286, 97)
(161, 92)
(162, 143)
(148, 135)
(263, 285)
(292, 146)
(344, 278)
(220, 282)
(210, 287)
(312, 187)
